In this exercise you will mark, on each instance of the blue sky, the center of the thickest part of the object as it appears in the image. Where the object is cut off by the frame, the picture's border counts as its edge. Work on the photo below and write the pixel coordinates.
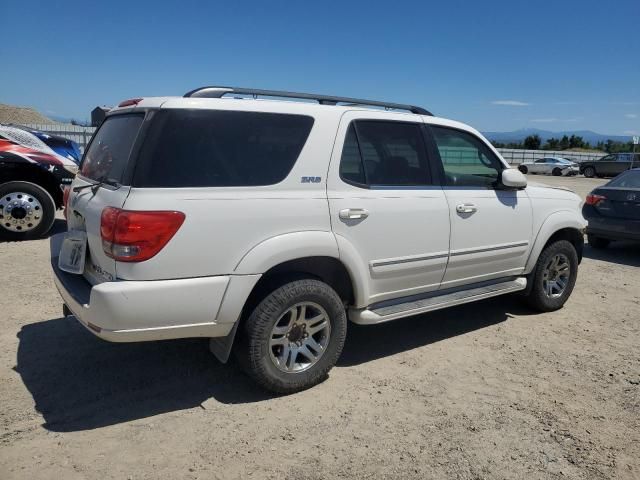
(498, 65)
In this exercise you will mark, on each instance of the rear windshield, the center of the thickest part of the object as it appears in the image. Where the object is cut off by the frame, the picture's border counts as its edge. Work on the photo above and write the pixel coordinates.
(108, 154)
(215, 148)
(630, 179)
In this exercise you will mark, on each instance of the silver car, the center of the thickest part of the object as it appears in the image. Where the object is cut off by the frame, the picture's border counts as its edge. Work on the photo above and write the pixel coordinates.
(550, 166)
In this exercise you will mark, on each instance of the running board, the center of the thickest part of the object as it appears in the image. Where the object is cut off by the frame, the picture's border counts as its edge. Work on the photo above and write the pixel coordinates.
(414, 307)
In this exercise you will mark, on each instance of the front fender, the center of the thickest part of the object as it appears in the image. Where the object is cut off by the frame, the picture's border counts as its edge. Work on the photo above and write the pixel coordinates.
(556, 221)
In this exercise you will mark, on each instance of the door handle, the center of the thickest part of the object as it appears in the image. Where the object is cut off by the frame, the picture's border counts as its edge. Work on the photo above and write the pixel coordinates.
(466, 208)
(353, 214)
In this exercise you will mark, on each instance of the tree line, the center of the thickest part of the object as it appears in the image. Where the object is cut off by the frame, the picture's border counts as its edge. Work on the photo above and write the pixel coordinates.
(534, 142)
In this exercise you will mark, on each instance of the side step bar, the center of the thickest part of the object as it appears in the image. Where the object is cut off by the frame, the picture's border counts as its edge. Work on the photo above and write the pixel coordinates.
(436, 302)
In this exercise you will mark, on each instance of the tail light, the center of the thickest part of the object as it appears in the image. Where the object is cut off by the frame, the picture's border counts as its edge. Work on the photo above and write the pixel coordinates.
(593, 199)
(136, 236)
(65, 199)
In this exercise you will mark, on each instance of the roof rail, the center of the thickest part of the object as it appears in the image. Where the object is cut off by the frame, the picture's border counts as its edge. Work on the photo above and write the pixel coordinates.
(219, 92)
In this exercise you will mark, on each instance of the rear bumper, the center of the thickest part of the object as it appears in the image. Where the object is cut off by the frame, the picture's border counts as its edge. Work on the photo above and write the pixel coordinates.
(612, 228)
(130, 311)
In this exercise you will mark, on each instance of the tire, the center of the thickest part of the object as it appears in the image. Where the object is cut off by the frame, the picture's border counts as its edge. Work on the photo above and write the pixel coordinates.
(589, 172)
(538, 297)
(598, 242)
(272, 366)
(523, 169)
(556, 172)
(33, 203)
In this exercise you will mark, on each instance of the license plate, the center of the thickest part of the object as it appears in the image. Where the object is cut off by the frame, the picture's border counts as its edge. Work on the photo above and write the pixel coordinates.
(73, 252)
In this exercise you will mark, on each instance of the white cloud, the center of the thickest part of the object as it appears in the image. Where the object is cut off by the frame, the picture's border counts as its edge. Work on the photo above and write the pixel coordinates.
(511, 103)
(545, 120)
(555, 120)
(631, 115)
(631, 132)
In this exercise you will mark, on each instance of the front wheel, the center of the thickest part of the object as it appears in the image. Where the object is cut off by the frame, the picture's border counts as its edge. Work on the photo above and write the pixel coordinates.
(523, 169)
(554, 277)
(589, 172)
(294, 336)
(27, 211)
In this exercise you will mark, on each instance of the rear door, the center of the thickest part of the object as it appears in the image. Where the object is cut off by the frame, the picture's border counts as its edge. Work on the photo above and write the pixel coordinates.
(622, 163)
(607, 166)
(106, 159)
(389, 218)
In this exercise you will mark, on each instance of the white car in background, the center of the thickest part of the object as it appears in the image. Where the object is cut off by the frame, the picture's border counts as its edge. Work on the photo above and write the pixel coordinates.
(556, 166)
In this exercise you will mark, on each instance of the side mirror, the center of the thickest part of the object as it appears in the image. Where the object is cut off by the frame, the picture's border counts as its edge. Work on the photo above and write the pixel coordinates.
(513, 178)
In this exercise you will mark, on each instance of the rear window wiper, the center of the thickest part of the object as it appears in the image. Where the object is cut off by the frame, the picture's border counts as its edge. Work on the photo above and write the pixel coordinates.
(98, 184)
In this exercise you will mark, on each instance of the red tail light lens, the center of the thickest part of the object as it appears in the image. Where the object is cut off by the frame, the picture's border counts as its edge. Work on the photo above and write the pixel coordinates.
(65, 199)
(136, 236)
(593, 199)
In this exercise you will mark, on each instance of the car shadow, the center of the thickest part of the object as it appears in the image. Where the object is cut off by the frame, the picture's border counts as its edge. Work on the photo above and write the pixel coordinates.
(622, 253)
(369, 342)
(59, 226)
(80, 382)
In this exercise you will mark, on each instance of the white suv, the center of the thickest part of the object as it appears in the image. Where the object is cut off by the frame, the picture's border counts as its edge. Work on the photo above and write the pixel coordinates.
(265, 224)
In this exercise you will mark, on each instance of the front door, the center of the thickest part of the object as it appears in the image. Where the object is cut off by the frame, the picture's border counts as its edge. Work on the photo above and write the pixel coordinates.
(391, 222)
(491, 227)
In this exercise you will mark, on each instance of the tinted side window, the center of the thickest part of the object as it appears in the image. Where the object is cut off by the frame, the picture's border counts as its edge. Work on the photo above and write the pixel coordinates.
(215, 148)
(380, 153)
(108, 154)
(467, 161)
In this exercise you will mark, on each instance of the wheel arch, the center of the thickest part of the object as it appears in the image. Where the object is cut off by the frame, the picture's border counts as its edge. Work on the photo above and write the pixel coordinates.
(327, 269)
(561, 225)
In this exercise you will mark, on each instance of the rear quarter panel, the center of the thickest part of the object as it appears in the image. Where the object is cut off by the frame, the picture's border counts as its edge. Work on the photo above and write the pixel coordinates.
(224, 224)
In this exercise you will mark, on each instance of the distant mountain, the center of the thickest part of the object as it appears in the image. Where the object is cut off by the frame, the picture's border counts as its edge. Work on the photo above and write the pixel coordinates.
(519, 135)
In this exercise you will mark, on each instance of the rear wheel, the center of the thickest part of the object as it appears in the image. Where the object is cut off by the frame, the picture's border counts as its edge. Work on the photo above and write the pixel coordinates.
(294, 336)
(589, 172)
(27, 211)
(556, 172)
(523, 169)
(554, 277)
(598, 242)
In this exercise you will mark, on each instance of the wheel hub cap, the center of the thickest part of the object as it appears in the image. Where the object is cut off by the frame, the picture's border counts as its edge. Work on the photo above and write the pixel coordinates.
(299, 337)
(555, 277)
(20, 212)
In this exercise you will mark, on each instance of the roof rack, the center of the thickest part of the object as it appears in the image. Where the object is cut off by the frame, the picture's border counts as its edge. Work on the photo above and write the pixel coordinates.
(219, 92)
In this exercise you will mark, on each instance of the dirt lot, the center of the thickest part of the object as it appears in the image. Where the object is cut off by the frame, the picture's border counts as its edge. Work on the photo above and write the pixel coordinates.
(489, 390)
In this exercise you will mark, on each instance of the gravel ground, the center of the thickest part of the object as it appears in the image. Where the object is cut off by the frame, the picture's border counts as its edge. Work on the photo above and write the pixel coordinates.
(483, 391)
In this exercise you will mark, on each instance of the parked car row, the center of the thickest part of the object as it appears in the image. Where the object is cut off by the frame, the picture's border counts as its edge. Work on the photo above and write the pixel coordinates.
(311, 211)
(607, 166)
